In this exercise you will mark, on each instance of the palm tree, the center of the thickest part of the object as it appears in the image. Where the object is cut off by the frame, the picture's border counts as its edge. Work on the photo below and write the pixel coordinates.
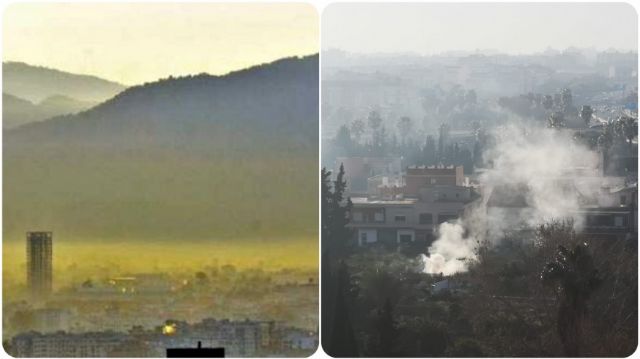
(605, 141)
(627, 129)
(574, 277)
(556, 120)
(585, 113)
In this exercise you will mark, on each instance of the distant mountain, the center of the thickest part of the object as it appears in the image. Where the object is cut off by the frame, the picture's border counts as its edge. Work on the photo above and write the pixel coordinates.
(35, 83)
(17, 111)
(62, 105)
(193, 157)
(275, 99)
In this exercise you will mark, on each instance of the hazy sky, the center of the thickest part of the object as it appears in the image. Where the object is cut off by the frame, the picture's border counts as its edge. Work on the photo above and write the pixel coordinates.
(134, 43)
(506, 27)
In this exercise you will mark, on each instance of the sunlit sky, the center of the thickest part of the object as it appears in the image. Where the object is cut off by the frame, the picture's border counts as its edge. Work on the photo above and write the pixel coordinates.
(135, 43)
(505, 27)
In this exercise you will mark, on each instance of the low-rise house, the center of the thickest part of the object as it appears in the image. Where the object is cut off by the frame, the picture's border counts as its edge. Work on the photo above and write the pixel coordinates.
(357, 170)
(405, 214)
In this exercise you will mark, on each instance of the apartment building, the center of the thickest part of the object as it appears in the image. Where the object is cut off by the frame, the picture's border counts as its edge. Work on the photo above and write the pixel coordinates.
(409, 209)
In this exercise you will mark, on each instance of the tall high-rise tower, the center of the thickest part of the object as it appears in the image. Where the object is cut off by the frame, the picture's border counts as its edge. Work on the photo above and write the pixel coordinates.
(39, 264)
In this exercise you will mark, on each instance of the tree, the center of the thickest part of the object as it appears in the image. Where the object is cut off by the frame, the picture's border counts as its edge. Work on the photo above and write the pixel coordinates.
(547, 102)
(374, 120)
(6, 344)
(466, 160)
(429, 151)
(605, 141)
(464, 348)
(557, 100)
(443, 139)
(357, 129)
(585, 113)
(556, 120)
(566, 100)
(343, 139)
(627, 129)
(201, 278)
(334, 241)
(404, 128)
(342, 341)
(340, 209)
(325, 201)
(379, 143)
(384, 332)
(335, 213)
(574, 278)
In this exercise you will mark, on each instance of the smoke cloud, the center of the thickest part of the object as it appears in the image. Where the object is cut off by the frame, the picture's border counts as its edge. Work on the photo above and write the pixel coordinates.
(534, 174)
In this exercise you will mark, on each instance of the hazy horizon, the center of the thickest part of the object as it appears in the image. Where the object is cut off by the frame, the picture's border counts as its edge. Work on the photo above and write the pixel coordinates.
(180, 210)
(509, 28)
(118, 44)
(162, 78)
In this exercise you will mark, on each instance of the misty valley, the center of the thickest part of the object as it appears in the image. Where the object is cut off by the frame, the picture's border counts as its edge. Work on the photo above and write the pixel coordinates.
(170, 213)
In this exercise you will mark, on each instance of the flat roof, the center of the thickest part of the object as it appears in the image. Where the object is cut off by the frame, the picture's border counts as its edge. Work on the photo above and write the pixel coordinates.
(365, 200)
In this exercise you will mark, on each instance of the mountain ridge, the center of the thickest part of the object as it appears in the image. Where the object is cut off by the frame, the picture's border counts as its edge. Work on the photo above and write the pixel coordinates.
(204, 156)
(197, 103)
(35, 83)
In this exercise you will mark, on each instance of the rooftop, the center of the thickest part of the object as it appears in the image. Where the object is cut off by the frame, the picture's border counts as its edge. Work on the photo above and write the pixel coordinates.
(365, 200)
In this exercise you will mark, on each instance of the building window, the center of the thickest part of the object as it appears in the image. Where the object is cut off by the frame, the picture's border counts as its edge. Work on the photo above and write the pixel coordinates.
(357, 216)
(618, 221)
(400, 218)
(446, 217)
(367, 236)
(426, 218)
(433, 181)
(378, 217)
(405, 236)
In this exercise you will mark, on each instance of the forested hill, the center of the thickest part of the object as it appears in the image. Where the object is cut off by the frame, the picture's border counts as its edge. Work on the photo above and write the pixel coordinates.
(195, 157)
(278, 99)
(36, 83)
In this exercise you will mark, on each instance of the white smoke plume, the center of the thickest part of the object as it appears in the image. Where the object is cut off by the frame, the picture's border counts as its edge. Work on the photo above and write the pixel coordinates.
(540, 167)
(449, 254)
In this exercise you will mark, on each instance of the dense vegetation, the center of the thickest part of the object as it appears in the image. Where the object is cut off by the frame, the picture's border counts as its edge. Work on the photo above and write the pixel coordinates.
(35, 83)
(560, 295)
(188, 158)
(17, 111)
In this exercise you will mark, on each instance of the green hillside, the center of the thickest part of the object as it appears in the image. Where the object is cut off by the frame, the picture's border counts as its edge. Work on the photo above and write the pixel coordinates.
(201, 157)
(36, 83)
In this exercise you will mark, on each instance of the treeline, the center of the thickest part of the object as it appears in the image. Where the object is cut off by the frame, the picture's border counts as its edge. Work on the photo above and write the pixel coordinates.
(440, 149)
(556, 294)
